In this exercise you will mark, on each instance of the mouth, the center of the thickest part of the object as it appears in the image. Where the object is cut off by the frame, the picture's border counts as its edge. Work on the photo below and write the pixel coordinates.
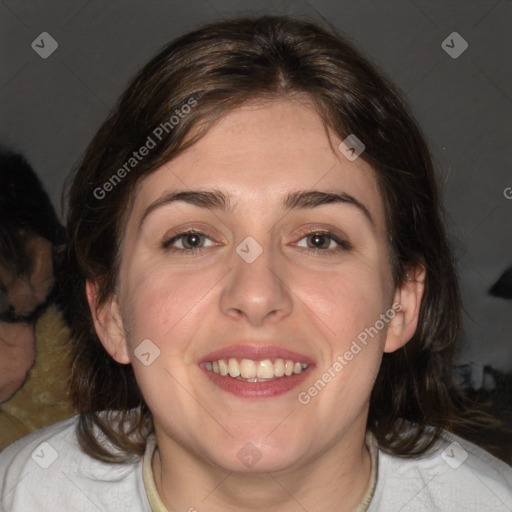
(256, 372)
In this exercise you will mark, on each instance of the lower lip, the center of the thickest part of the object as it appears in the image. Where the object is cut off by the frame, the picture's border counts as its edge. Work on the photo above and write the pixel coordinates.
(266, 389)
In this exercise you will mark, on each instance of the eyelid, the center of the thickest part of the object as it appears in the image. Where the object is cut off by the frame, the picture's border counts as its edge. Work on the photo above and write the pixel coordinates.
(342, 242)
(166, 244)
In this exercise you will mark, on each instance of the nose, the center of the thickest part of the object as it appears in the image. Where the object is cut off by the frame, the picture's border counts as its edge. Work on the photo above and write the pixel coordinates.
(257, 290)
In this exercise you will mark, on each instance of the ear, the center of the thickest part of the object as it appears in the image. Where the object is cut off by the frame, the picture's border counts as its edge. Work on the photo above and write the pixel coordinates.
(108, 323)
(409, 295)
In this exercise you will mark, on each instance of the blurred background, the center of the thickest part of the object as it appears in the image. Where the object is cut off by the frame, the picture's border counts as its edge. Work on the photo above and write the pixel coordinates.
(64, 64)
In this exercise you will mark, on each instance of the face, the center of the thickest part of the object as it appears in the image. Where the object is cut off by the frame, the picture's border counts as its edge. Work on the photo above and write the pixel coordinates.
(264, 284)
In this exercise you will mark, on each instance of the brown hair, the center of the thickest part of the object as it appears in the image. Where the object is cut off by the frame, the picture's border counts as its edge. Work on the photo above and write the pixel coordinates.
(220, 67)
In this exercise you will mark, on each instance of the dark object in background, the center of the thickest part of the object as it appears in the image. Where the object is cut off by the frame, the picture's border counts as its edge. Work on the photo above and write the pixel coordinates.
(34, 365)
(495, 397)
(503, 286)
(29, 232)
(494, 392)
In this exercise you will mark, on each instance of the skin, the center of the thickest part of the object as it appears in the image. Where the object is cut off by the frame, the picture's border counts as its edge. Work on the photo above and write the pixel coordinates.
(313, 456)
(24, 293)
(17, 356)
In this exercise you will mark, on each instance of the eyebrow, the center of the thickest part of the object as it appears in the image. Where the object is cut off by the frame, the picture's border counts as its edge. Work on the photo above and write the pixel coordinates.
(216, 199)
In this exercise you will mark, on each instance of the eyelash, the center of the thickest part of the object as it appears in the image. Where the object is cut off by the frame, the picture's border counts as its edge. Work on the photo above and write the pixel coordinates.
(343, 245)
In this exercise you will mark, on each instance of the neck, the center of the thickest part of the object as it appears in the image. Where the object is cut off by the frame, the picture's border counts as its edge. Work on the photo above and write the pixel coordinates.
(335, 480)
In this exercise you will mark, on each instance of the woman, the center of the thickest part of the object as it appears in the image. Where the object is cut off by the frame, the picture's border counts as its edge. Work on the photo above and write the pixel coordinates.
(263, 300)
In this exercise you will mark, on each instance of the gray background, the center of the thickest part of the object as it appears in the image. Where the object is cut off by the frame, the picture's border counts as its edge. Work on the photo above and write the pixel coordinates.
(52, 107)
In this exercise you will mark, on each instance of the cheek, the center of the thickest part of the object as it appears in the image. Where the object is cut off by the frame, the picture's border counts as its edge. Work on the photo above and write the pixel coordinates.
(158, 306)
(349, 303)
(164, 305)
(346, 301)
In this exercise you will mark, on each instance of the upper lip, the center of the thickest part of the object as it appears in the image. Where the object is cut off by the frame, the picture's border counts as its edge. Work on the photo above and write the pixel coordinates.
(256, 352)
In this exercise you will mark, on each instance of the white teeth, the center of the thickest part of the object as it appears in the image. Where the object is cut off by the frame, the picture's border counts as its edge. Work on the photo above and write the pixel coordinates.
(254, 371)
(265, 369)
(288, 367)
(223, 367)
(234, 368)
(279, 368)
(248, 369)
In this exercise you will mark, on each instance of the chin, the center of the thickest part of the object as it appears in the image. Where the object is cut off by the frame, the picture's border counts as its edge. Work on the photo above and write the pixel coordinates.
(256, 457)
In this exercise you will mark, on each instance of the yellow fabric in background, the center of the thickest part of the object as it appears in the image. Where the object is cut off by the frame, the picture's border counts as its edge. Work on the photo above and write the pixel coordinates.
(44, 397)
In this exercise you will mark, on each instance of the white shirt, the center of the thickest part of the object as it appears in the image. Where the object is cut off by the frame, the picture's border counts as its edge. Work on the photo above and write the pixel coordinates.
(47, 471)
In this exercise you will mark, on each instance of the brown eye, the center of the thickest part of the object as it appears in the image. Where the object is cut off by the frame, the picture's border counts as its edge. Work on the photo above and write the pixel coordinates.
(320, 241)
(192, 240)
(189, 241)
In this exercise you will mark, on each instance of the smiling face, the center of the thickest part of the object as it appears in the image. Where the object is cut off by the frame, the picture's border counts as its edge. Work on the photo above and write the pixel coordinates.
(312, 276)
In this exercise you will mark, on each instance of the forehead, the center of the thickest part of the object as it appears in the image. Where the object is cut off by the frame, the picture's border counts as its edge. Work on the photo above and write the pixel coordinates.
(259, 152)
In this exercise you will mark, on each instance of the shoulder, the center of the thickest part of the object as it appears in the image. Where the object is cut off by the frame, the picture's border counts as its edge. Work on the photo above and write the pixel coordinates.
(454, 475)
(47, 469)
